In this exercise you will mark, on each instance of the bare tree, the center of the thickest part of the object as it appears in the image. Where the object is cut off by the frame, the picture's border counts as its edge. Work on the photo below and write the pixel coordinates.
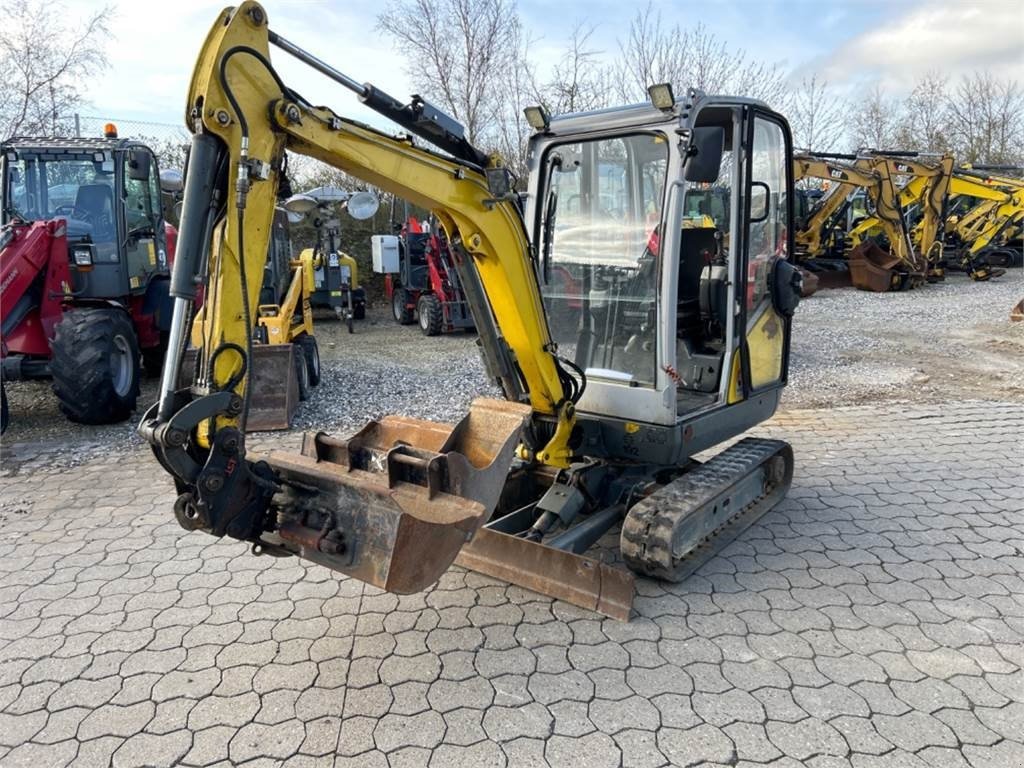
(986, 119)
(925, 115)
(458, 50)
(877, 121)
(579, 81)
(816, 115)
(44, 57)
(655, 52)
(516, 89)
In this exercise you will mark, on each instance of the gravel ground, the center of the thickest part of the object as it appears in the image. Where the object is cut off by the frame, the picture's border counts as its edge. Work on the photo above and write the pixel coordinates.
(945, 341)
(942, 342)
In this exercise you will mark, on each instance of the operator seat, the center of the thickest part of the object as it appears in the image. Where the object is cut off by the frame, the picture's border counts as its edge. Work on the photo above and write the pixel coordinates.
(697, 249)
(98, 201)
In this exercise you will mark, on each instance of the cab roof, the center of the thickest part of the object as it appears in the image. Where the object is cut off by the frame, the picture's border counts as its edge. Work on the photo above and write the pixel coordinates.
(70, 145)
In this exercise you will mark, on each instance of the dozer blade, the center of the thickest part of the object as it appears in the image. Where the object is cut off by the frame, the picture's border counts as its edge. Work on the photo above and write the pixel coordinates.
(563, 575)
(394, 504)
(275, 388)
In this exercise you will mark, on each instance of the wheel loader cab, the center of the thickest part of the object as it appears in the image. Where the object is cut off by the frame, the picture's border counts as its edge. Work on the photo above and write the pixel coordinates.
(107, 191)
(657, 235)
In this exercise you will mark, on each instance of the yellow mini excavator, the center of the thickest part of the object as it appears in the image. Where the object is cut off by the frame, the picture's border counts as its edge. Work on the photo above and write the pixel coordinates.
(870, 267)
(989, 234)
(677, 337)
(921, 197)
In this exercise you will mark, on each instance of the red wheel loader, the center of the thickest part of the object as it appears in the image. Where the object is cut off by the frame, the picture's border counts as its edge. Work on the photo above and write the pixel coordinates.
(84, 271)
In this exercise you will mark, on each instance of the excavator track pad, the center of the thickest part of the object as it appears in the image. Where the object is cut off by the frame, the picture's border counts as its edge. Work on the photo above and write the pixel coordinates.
(682, 525)
(393, 504)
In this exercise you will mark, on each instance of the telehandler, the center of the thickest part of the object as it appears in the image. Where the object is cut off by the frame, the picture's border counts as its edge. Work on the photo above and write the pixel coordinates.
(681, 342)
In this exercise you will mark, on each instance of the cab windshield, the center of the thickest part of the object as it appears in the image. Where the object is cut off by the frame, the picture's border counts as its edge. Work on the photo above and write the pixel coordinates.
(601, 205)
(78, 188)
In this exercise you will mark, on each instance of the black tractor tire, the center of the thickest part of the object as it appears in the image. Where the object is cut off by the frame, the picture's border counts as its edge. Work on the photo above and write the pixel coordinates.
(431, 314)
(5, 413)
(399, 301)
(96, 365)
(359, 310)
(301, 372)
(312, 354)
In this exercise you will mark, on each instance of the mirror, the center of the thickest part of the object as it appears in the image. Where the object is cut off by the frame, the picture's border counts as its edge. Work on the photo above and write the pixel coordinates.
(704, 157)
(759, 195)
(171, 180)
(138, 164)
(362, 205)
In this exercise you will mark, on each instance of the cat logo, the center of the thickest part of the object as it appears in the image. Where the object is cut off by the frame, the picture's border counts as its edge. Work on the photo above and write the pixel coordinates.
(902, 168)
(835, 173)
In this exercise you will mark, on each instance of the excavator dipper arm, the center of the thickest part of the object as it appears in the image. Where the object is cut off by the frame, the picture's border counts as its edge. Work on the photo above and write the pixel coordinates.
(394, 504)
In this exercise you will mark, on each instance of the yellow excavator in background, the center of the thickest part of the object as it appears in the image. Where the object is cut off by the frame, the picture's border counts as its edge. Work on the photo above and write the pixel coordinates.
(995, 238)
(923, 193)
(870, 267)
(678, 337)
(986, 237)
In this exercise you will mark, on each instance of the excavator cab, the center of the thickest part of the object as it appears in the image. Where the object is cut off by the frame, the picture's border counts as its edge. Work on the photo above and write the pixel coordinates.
(638, 290)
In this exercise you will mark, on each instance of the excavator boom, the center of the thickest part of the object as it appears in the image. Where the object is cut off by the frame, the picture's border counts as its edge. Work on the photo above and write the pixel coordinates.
(411, 508)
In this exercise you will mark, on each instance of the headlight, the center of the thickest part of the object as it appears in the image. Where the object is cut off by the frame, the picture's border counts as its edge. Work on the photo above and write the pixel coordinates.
(82, 256)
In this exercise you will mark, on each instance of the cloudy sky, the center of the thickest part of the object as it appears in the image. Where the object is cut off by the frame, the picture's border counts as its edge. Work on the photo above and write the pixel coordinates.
(852, 43)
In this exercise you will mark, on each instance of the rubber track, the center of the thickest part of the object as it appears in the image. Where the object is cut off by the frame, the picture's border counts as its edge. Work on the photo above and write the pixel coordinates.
(646, 539)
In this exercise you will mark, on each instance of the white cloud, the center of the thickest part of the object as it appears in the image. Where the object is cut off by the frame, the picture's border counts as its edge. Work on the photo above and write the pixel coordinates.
(955, 37)
(152, 54)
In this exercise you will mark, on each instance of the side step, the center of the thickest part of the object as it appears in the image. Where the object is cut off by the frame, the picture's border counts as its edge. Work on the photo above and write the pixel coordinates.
(682, 525)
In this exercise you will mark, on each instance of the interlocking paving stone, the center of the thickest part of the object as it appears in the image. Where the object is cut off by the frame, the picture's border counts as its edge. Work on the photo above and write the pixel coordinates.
(875, 619)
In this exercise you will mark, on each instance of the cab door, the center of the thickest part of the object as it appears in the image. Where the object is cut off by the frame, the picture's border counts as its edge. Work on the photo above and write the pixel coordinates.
(144, 238)
(767, 211)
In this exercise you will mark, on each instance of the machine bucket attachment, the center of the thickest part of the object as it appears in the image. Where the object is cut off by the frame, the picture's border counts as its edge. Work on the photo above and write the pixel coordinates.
(563, 575)
(275, 387)
(393, 504)
(872, 269)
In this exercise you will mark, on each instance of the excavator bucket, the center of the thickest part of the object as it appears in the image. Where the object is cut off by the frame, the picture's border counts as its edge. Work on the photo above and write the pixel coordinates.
(274, 384)
(872, 269)
(275, 387)
(394, 504)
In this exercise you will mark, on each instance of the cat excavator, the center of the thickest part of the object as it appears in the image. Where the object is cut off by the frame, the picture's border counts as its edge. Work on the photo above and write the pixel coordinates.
(870, 267)
(680, 341)
(990, 234)
(924, 192)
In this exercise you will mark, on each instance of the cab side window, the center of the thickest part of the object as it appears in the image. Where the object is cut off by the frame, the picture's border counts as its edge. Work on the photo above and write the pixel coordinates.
(142, 200)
